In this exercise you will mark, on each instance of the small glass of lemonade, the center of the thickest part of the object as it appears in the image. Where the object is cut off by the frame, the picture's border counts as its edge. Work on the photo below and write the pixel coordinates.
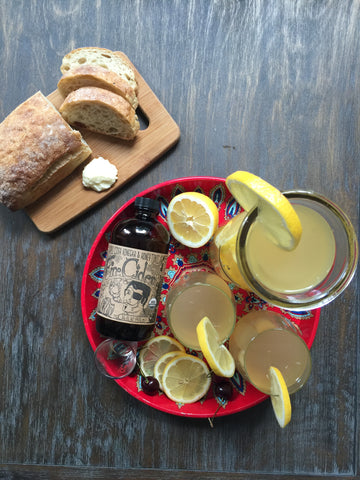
(310, 276)
(264, 339)
(198, 294)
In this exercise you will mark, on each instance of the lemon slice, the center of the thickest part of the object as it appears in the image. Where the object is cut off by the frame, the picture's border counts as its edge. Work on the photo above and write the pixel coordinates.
(274, 209)
(186, 379)
(192, 218)
(225, 243)
(154, 349)
(280, 398)
(161, 364)
(217, 355)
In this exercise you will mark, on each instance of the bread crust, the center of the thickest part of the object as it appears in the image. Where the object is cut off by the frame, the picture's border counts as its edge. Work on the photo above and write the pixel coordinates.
(96, 76)
(37, 150)
(90, 107)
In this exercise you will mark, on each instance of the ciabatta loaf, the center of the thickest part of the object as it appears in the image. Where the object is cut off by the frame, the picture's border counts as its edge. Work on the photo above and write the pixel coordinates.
(100, 111)
(96, 76)
(114, 61)
(37, 150)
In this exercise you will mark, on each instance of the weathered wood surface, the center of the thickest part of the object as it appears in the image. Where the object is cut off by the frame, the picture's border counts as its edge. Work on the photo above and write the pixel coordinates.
(270, 87)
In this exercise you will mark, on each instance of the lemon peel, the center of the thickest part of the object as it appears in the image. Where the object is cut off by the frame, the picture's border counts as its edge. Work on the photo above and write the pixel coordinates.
(274, 209)
(280, 398)
(216, 354)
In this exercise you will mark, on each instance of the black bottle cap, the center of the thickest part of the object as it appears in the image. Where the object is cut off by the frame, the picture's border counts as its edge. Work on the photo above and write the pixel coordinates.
(147, 203)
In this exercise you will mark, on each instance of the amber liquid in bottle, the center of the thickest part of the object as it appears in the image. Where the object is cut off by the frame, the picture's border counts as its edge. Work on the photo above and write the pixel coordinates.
(133, 275)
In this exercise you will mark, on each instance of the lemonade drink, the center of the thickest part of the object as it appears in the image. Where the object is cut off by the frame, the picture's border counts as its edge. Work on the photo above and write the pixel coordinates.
(198, 294)
(309, 275)
(278, 269)
(297, 270)
(264, 339)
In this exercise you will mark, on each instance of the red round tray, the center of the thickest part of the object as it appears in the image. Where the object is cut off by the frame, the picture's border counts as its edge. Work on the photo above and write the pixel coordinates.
(181, 258)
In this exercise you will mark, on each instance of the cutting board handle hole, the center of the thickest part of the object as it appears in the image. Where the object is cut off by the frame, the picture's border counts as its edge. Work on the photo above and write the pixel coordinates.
(143, 119)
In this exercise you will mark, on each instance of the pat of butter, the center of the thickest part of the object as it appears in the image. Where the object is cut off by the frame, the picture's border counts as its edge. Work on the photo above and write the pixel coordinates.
(99, 174)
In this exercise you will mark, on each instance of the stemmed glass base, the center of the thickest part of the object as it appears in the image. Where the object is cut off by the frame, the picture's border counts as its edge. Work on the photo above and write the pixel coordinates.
(115, 358)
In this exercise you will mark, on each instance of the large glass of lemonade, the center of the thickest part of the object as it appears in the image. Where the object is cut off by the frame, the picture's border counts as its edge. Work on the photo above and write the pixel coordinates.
(310, 276)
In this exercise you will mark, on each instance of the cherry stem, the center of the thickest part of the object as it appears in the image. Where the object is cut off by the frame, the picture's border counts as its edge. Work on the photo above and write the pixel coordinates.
(140, 369)
(213, 417)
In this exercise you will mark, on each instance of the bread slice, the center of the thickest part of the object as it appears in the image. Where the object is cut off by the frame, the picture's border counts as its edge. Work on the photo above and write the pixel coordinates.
(38, 149)
(100, 111)
(96, 76)
(116, 62)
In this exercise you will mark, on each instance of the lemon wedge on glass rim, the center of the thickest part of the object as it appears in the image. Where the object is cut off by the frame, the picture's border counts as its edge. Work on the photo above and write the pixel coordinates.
(275, 211)
(192, 218)
(216, 354)
(280, 398)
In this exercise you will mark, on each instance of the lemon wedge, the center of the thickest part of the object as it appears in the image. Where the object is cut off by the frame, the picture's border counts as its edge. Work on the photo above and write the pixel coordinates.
(280, 397)
(225, 243)
(161, 364)
(274, 209)
(186, 379)
(192, 218)
(154, 349)
(216, 354)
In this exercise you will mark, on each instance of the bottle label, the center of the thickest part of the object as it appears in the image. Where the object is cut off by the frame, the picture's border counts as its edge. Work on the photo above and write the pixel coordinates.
(131, 285)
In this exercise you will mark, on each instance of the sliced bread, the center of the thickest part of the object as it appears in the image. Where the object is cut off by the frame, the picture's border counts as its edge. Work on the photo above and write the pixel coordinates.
(114, 61)
(38, 149)
(100, 111)
(96, 76)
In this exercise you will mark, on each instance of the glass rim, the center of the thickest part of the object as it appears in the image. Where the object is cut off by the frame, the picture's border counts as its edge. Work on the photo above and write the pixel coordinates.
(193, 273)
(301, 303)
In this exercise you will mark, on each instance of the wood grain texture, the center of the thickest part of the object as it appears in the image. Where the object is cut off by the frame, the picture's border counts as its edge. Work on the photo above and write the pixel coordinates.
(269, 87)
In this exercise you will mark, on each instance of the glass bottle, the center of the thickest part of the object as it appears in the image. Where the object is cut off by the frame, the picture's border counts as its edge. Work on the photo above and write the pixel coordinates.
(133, 275)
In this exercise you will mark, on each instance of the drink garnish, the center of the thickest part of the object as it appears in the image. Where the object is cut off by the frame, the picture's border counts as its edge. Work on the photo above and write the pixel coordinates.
(275, 211)
(216, 354)
(280, 398)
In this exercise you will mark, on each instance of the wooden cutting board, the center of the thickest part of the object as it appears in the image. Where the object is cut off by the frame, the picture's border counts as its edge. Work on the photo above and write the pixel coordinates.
(70, 198)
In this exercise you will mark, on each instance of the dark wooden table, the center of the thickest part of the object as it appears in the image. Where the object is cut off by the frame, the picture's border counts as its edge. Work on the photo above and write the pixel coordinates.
(266, 86)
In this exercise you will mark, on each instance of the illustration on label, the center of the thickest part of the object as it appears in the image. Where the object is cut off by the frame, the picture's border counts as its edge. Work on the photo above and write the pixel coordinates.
(131, 285)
